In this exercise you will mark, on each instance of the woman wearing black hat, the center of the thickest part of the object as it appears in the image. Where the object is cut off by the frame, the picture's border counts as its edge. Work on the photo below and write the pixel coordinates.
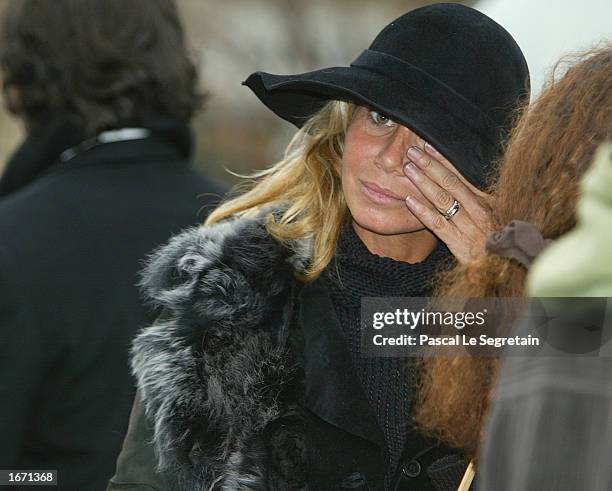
(253, 375)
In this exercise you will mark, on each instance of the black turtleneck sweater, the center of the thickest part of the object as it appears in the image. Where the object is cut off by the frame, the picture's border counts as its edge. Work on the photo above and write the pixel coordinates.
(388, 383)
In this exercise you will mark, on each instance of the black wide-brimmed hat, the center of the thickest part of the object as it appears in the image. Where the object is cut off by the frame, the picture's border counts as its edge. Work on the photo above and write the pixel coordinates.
(446, 71)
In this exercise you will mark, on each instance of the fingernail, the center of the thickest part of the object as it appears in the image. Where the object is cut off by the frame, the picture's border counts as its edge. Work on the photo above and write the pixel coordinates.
(429, 148)
(415, 153)
(411, 202)
(409, 168)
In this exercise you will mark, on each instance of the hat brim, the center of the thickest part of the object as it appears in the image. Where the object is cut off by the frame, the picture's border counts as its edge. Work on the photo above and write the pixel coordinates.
(295, 98)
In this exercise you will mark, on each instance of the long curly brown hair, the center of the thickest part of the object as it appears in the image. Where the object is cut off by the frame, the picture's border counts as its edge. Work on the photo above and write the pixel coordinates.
(547, 153)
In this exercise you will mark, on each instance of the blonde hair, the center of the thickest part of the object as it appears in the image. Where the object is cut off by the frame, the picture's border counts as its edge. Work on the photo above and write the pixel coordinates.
(305, 185)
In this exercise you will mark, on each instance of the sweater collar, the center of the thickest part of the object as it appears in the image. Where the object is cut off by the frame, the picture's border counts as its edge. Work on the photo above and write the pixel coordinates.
(360, 273)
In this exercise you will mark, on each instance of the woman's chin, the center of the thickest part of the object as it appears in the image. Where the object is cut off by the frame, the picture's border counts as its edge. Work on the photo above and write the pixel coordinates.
(385, 222)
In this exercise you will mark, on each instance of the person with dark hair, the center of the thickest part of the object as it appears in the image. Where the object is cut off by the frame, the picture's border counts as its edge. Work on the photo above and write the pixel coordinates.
(254, 376)
(106, 90)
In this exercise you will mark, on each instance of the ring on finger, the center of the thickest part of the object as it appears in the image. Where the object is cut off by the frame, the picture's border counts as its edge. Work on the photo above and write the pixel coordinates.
(452, 210)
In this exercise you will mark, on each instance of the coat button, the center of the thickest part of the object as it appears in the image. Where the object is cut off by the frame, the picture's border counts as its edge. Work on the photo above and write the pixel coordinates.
(411, 469)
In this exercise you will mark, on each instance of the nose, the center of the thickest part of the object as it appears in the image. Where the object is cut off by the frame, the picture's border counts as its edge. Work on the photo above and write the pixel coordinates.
(392, 154)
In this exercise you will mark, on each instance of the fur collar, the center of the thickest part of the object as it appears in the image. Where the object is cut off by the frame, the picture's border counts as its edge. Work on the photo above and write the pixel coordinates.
(217, 353)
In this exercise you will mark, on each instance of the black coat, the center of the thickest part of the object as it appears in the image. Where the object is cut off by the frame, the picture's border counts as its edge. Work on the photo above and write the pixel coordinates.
(245, 382)
(72, 238)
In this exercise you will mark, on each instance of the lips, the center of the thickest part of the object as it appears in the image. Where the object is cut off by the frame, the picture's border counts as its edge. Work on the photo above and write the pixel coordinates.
(370, 186)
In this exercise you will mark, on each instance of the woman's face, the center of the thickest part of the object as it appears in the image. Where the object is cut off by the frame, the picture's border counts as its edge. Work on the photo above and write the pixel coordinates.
(373, 179)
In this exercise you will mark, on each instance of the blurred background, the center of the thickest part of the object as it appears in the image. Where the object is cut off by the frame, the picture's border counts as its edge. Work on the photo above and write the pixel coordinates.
(232, 38)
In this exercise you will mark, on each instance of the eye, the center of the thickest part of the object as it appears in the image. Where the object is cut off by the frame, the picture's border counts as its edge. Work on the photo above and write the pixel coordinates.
(381, 119)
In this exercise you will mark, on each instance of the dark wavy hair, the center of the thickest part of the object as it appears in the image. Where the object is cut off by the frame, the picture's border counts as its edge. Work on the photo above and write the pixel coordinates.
(105, 63)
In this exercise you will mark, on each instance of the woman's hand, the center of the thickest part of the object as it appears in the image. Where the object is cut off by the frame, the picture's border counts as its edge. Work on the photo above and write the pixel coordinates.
(465, 232)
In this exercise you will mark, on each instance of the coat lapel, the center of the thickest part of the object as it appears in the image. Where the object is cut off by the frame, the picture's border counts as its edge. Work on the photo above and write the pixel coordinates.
(333, 391)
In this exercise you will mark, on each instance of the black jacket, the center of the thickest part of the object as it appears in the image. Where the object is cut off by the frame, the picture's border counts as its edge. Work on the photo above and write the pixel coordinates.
(72, 238)
(245, 382)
